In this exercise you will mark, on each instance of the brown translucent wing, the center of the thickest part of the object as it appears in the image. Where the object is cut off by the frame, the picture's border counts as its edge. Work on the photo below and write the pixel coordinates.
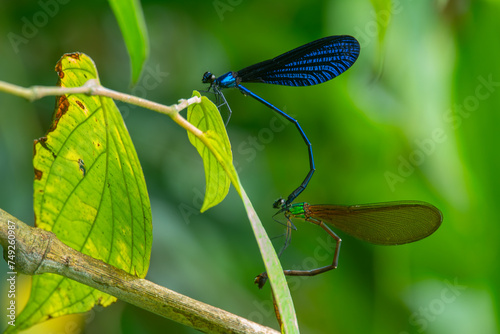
(391, 223)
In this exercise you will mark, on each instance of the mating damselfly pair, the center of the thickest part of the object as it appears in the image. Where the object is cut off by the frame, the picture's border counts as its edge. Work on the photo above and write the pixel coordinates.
(390, 223)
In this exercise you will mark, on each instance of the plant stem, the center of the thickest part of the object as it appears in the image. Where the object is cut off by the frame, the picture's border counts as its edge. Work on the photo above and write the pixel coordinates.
(39, 251)
(92, 87)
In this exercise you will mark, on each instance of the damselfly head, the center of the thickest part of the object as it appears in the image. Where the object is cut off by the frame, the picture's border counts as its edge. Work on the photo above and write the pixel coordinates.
(208, 78)
(278, 204)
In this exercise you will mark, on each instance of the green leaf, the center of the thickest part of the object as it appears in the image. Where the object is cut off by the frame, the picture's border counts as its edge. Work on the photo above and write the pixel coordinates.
(130, 18)
(214, 148)
(383, 14)
(206, 117)
(274, 270)
(90, 191)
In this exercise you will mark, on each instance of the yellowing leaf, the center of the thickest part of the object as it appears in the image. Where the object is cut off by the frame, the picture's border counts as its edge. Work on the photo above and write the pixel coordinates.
(90, 191)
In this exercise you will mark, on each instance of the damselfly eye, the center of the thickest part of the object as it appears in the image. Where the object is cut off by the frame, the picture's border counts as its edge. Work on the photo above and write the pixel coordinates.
(208, 78)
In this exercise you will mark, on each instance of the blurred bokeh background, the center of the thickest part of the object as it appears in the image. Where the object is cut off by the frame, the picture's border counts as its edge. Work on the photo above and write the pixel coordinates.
(416, 117)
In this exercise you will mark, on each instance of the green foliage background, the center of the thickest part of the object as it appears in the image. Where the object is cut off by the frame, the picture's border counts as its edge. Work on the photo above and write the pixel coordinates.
(419, 103)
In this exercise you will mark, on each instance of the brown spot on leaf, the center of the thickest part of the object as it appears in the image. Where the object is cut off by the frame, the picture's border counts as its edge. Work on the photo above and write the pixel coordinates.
(38, 174)
(80, 104)
(62, 105)
(59, 70)
(75, 55)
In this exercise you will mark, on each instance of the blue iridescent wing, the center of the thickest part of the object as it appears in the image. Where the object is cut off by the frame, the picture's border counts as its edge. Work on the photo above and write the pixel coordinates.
(307, 65)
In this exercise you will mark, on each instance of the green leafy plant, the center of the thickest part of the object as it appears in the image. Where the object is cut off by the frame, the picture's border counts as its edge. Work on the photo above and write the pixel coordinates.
(90, 192)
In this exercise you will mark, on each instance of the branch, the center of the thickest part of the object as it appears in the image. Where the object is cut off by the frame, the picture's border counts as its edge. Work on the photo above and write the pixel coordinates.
(92, 87)
(38, 251)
